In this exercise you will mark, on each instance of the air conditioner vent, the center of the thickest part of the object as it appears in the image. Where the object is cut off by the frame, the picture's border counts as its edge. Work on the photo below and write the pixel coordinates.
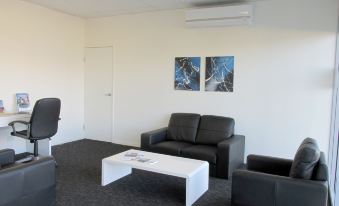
(220, 16)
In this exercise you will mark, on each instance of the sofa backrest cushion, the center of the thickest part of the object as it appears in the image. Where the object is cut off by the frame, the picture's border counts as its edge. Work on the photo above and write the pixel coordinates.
(320, 172)
(305, 160)
(214, 129)
(6, 157)
(183, 127)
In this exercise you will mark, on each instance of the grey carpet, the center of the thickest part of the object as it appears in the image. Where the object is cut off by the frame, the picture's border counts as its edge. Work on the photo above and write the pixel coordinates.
(79, 178)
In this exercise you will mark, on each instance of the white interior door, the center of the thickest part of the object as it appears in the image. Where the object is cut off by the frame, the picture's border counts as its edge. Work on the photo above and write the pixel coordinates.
(98, 93)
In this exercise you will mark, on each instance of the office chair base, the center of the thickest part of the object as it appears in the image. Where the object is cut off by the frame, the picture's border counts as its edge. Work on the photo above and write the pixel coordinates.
(35, 148)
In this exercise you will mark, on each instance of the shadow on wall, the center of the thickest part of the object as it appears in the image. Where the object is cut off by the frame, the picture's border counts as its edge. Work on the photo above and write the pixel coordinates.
(293, 15)
(322, 82)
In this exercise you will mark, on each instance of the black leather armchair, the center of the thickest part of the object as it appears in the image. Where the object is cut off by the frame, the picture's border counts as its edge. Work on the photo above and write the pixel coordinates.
(207, 137)
(26, 184)
(267, 181)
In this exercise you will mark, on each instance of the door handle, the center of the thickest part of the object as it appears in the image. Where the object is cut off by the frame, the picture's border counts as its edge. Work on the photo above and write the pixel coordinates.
(108, 94)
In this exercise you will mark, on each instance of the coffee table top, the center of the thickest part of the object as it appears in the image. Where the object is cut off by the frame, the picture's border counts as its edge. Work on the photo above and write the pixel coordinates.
(165, 164)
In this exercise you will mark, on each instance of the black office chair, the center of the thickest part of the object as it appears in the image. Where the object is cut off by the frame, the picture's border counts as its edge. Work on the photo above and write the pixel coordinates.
(43, 123)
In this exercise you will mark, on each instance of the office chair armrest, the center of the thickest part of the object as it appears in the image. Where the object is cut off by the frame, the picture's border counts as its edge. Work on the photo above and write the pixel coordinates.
(12, 124)
(18, 122)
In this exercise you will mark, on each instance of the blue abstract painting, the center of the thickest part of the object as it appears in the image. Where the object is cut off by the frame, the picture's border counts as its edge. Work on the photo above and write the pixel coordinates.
(219, 74)
(187, 73)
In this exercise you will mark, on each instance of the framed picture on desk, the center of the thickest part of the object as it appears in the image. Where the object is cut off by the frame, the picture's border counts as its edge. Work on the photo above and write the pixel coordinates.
(2, 108)
(22, 102)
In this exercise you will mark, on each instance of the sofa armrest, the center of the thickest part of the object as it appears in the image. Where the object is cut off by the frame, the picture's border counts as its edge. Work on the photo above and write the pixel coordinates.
(24, 179)
(261, 189)
(7, 156)
(152, 137)
(230, 155)
(270, 165)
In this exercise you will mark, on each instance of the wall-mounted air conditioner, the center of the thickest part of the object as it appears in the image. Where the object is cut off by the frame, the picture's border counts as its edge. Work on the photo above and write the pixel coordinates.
(220, 16)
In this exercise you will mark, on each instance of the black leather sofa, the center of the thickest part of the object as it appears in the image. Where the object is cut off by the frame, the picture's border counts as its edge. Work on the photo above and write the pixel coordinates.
(270, 181)
(206, 137)
(26, 184)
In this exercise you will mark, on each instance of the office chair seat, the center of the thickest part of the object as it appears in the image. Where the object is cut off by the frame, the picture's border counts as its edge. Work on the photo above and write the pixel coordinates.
(23, 132)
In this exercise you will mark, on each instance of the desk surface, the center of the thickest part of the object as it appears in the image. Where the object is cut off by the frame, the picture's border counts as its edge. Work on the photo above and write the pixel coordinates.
(5, 114)
(6, 118)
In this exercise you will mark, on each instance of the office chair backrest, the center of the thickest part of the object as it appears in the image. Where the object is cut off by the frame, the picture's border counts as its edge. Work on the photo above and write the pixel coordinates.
(45, 118)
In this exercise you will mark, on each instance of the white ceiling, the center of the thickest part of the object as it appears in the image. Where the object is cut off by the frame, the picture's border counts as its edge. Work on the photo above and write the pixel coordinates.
(100, 8)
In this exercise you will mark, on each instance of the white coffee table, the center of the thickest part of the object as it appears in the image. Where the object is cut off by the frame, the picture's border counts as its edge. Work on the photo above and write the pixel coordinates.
(195, 172)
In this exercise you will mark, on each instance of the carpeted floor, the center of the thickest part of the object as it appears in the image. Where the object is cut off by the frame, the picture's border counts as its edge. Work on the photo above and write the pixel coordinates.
(79, 178)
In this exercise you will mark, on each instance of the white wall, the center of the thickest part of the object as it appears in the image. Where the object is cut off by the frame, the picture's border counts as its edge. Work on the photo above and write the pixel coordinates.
(41, 53)
(283, 72)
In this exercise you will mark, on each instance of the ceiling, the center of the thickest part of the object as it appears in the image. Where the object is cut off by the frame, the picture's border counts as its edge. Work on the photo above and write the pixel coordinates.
(101, 8)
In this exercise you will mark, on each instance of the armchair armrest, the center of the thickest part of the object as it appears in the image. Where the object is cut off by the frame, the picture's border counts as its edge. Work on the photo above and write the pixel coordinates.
(15, 133)
(7, 156)
(270, 165)
(261, 189)
(230, 155)
(22, 182)
(152, 137)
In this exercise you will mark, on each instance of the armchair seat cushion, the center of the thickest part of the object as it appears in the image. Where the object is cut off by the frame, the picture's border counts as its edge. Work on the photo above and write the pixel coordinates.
(170, 147)
(201, 152)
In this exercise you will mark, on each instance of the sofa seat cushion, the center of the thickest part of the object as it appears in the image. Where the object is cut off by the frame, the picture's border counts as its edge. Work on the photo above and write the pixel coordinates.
(305, 160)
(183, 127)
(201, 152)
(214, 129)
(170, 147)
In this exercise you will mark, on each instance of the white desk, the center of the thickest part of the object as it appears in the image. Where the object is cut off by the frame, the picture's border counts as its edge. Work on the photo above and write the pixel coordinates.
(6, 118)
(44, 145)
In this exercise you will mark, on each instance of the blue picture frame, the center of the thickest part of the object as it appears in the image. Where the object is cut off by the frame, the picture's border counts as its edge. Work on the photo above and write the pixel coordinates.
(219, 74)
(187, 73)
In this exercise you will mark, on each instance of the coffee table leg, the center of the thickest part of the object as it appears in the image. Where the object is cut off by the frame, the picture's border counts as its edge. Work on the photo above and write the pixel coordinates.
(112, 172)
(197, 185)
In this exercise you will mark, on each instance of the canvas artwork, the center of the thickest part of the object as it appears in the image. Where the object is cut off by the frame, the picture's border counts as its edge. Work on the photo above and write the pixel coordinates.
(22, 102)
(187, 73)
(219, 74)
